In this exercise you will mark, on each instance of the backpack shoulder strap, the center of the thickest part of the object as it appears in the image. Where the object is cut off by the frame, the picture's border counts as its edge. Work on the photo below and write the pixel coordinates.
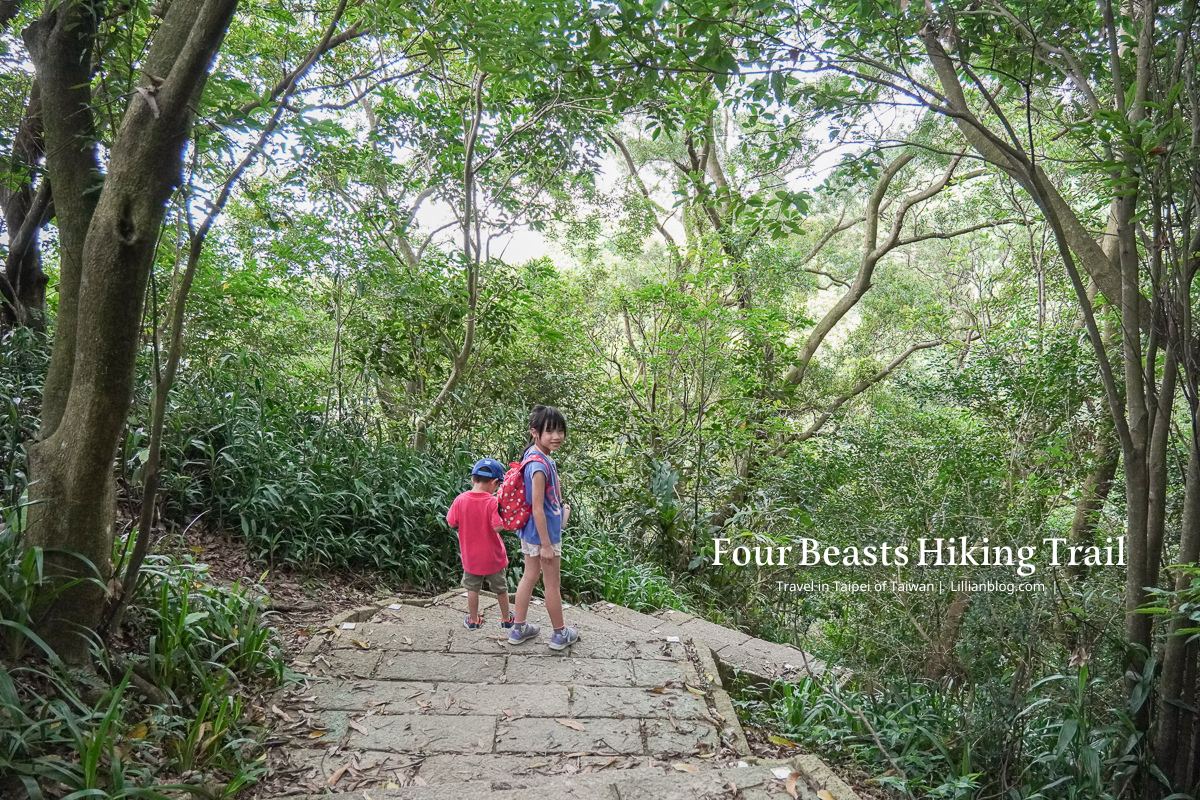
(534, 457)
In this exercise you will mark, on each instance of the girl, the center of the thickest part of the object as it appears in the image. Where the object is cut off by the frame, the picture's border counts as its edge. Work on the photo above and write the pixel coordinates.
(541, 538)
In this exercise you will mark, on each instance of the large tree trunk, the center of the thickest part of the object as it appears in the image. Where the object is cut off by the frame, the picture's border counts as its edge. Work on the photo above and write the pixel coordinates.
(1177, 689)
(92, 366)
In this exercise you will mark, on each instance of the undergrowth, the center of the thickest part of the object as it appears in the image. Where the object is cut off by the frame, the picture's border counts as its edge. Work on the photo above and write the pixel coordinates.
(922, 739)
(170, 709)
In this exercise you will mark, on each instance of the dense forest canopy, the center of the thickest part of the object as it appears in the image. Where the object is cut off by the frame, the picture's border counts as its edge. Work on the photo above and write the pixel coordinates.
(850, 272)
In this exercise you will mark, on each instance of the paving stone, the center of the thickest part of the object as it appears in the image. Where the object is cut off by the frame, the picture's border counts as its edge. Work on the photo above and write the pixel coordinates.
(439, 769)
(344, 664)
(332, 724)
(683, 737)
(522, 700)
(459, 667)
(429, 633)
(616, 701)
(588, 671)
(542, 735)
(318, 765)
(487, 603)
(591, 645)
(630, 618)
(489, 639)
(659, 673)
(769, 660)
(415, 733)
(657, 783)
(715, 635)
(363, 695)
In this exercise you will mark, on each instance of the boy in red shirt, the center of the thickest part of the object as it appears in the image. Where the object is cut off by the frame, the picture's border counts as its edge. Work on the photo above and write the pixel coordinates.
(484, 558)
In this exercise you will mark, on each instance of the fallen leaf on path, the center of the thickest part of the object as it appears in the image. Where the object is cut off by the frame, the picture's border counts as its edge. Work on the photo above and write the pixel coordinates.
(407, 640)
(424, 704)
(358, 726)
(449, 701)
(139, 731)
(705, 755)
(337, 775)
(419, 781)
(694, 690)
(361, 645)
(316, 734)
(658, 690)
(576, 755)
(781, 741)
(417, 693)
(688, 768)
(824, 795)
(790, 784)
(279, 712)
(570, 723)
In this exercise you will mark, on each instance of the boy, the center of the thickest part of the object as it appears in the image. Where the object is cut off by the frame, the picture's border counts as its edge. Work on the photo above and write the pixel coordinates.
(541, 538)
(484, 558)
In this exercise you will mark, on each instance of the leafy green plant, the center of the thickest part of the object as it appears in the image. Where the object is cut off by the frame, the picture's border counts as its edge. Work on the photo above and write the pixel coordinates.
(931, 735)
(304, 490)
(25, 591)
(597, 566)
(201, 639)
(207, 647)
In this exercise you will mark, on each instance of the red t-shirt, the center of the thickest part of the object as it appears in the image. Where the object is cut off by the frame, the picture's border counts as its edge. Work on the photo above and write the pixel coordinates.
(476, 517)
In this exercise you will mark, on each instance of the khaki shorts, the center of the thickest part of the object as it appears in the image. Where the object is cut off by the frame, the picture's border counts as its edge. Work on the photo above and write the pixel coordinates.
(495, 582)
(536, 549)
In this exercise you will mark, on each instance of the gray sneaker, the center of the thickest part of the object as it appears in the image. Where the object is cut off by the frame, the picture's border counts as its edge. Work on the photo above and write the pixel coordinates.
(519, 634)
(564, 638)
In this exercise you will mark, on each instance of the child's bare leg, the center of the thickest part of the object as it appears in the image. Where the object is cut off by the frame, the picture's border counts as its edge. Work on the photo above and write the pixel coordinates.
(529, 579)
(551, 581)
(502, 599)
(473, 605)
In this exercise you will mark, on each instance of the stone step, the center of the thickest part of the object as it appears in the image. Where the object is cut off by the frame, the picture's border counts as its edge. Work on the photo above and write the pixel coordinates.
(763, 660)
(401, 695)
(662, 782)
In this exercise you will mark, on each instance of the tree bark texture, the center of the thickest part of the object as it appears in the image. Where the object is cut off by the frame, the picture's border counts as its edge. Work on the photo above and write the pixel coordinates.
(1094, 494)
(26, 210)
(1176, 724)
(108, 249)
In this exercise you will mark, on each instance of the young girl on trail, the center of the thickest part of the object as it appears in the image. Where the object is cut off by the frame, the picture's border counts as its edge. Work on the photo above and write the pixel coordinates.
(541, 538)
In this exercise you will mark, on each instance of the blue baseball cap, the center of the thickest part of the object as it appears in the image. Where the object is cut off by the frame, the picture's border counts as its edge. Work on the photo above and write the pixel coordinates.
(488, 468)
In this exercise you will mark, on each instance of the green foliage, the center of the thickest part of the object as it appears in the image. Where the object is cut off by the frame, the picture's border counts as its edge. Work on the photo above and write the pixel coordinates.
(24, 355)
(302, 487)
(597, 566)
(923, 740)
(207, 648)
(202, 640)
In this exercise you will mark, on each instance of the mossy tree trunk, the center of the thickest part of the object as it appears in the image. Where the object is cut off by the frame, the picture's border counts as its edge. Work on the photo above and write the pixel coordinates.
(108, 224)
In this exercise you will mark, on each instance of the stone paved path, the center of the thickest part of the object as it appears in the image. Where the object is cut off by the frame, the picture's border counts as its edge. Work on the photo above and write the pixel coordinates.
(404, 701)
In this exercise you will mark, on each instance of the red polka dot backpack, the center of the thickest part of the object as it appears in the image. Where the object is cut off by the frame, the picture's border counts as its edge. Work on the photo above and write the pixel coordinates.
(514, 506)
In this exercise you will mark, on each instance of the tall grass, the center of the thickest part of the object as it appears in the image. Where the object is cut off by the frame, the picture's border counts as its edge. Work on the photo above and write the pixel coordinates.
(303, 488)
(925, 740)
(205, 648)
(599, 565)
